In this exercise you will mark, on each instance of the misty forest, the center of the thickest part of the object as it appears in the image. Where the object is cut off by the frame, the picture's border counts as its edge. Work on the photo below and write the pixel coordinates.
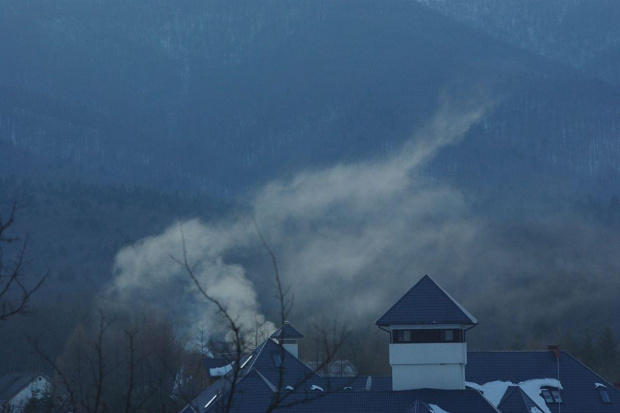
(344, 148)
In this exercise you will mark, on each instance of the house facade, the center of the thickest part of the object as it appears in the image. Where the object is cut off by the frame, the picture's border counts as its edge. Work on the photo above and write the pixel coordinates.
(16, 389)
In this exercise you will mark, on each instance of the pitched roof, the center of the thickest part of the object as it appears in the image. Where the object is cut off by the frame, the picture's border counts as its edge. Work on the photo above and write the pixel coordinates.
(287, 331)
(251, 394)
(426, 303)
(579, 392)
(377, 383)
(453, 401)
(270, 365)
(13, 383)
(419, 407)
(515, 400)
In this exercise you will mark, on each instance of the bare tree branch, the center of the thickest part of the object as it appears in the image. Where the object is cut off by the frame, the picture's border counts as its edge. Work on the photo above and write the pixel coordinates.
(14, 293)
(66, 383)
(281, 396)
(232, 323)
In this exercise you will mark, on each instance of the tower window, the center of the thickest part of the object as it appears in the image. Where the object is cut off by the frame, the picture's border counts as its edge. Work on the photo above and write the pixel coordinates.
(406, 336)
(428, 336)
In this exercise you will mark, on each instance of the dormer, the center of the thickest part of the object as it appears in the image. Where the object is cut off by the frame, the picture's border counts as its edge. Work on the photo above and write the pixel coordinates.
(427, 338)
(287, 337)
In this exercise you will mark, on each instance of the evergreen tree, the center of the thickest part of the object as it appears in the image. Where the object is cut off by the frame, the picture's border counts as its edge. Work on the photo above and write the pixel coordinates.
(607, 352)
(587, 350)
(607, 346)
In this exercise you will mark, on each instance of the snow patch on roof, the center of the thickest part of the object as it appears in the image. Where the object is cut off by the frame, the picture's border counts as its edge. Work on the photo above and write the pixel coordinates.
(220, 371)
(597, 385)
(474, 386)
(315, 387)
(495, 390)
(436, 409)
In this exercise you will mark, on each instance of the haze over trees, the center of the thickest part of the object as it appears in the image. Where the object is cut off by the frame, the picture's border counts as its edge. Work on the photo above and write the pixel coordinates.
(329, 122)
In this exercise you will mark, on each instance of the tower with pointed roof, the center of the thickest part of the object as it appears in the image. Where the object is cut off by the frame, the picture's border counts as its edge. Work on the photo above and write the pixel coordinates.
(287, 337)
(427, 338)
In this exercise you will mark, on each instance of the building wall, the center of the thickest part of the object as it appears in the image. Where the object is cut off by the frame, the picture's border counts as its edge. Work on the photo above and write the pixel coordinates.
(428, 365)
(446, 377)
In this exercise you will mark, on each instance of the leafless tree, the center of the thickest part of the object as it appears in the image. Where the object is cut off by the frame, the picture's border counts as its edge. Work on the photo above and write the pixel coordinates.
(15, 290)
(332, 340)
(117, 365)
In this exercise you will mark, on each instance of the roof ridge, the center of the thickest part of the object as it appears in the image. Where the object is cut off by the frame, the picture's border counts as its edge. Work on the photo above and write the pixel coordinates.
(426, 302)
(270, 384)
(463, 309)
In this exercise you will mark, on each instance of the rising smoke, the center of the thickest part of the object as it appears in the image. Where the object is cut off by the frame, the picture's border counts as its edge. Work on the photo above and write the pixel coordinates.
(338, 233)
(352, 238)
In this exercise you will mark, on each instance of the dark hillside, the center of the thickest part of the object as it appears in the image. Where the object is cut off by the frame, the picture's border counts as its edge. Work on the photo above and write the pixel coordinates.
(216, 97)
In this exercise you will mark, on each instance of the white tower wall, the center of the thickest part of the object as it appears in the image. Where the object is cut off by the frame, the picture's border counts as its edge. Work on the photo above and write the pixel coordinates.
(428, 365)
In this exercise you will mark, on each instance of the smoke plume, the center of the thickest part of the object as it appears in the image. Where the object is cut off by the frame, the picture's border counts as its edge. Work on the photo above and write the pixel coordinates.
(350, 239)
(336, 232)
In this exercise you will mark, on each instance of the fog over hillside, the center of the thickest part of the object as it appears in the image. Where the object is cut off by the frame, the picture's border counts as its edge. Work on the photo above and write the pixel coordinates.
(371, 142)
(217, 97)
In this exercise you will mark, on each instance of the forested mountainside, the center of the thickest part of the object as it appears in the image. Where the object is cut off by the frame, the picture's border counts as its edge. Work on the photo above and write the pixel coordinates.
(581, 33)
(218, 96)
(119, 117)
(75, 230)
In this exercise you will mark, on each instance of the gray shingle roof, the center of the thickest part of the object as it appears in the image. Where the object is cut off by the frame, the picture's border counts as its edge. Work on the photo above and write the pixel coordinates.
(453, 401)
(267, 366)
(426, 303)
(287, 331)
(579, 393)
(515, 400)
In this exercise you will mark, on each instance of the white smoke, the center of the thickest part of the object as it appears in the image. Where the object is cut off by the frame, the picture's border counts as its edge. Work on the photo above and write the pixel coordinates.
(345, 238)
(151, 273)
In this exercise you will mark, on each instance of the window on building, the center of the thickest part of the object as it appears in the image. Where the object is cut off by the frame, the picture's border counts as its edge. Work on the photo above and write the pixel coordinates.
(277, 359)
(406, 336)
(546, 394)
(428, 336)
(551, 395)
(604, 395)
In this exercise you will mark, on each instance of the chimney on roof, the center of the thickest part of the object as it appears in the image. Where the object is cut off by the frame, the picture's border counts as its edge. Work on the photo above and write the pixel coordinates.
(555, 349)
(287, 337)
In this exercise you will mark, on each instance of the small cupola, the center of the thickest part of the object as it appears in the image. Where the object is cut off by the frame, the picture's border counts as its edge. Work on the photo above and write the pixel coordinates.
(287, 337)
(427, 338)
